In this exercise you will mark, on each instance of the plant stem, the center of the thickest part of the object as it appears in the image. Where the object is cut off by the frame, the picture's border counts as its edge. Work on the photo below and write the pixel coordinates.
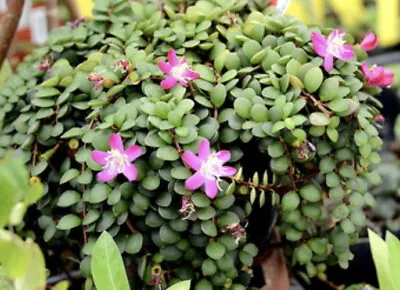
(9, 27)
(317, 103)
(291, 167)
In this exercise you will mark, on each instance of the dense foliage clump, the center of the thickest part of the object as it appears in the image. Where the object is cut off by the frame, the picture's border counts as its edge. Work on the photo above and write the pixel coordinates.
(301, 139)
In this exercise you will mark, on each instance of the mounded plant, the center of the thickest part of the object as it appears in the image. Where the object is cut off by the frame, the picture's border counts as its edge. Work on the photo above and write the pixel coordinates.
(181, 127)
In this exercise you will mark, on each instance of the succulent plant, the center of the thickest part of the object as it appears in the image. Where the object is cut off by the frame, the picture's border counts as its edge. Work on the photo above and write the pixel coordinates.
(301, 139)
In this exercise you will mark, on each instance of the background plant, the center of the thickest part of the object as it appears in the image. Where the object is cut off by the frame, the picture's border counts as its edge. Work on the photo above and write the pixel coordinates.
(294, 131)
(21, 261)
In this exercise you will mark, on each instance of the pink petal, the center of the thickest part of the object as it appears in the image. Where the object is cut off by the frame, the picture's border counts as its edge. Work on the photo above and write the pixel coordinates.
(328, 62)
(336, 33)
(164, 67)
(191, 75)
(346, 53)
(192, 160)
(377, 74)
(365, 69)
(116, 142)
(98, 84)
(228, 171)
(195, 181)
(388, 78)
(173, 60)
(369, 42)
(99, 157)
(224, 155)
(211, 188)
(169, 83)
(106, 176)
(204, 149)
(130, 172)
(133, 152)
(319, 43)
(184, 83)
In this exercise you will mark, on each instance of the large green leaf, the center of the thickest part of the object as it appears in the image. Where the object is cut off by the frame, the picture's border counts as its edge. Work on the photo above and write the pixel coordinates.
(380, 255)
(107, 266)
(184, 285)
(12, 249)
(35, 277)
(5, 71)
(393, 246)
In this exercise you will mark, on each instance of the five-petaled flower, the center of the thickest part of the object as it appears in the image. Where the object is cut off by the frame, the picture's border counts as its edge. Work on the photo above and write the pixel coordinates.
(209, 168)
(177, 71)
(377, 75)
(117, 160)
(369, 42)
(333, 46)
(97, 78)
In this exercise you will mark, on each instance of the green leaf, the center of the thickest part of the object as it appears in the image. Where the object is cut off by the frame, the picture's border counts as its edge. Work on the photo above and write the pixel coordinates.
(151, 182)
(361, 138)
(8, 200)
(12, 249)
(134, 243)
(69, 175)
(63, 285)
(319, 119)
(99, 193)
(68, 198)
(290, 201)
(168, 153)
(311, 192)
(328, 90)
(208, 227)
(393, 246)
(379, 251)
(108, 269)
(184, 285)
(243, 107)
(218, 95)
(5, 72)
(215, 250)
(333, 134)
(73, 132)
(68, 222)
(35, 277)
(313, 79)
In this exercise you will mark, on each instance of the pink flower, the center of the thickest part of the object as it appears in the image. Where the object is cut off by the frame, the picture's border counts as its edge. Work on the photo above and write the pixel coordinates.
(77, 22)
(380, 119)
(122, 65)
(188, 209)
(117, 160)
(377, 75)
(45, 64)
(209, 167)
(334, 46)
(97, 78)
(177, 71)
(369, 42)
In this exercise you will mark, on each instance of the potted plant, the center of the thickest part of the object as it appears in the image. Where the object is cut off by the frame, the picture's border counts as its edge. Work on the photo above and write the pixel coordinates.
(188, 130)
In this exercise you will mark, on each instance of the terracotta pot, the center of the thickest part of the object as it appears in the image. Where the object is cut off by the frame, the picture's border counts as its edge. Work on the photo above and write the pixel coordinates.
(273, 264)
